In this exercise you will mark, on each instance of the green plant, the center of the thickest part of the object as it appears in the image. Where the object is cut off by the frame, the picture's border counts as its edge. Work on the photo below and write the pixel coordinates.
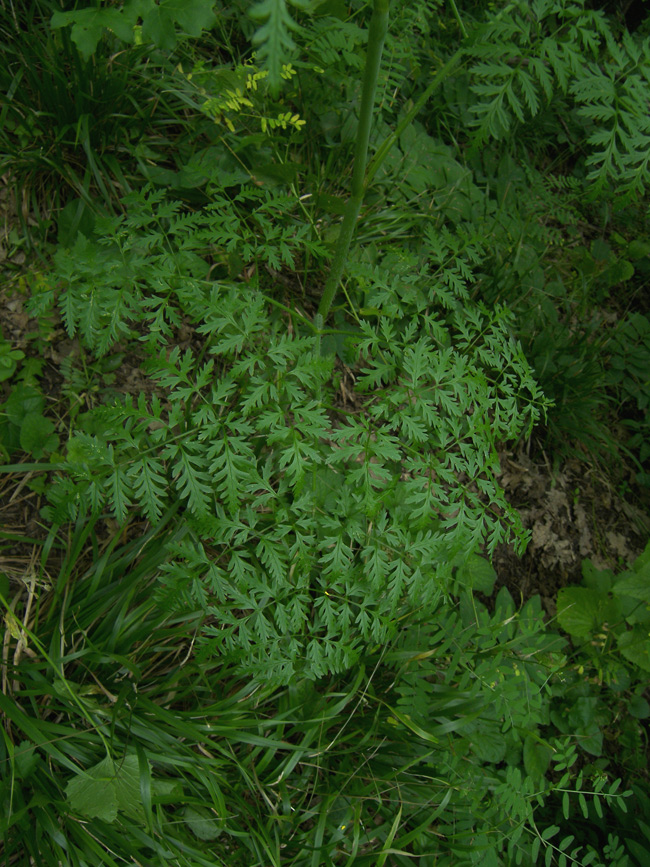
(600, 697)
(87, 381)
(346, 513)
(145, 272)
(609, 616)
(296, 660)
(9, 359)
(569, 363)
(78, 111)
(498, 672)
(551, 49)
(104, 725)
(23, 424)
(136, 23)
(628, 375)
(376, 36)
(118, 743)
(603, 693)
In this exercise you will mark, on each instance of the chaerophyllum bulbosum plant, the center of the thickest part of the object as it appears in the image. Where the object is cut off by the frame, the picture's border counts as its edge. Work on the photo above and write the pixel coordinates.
(331, 478)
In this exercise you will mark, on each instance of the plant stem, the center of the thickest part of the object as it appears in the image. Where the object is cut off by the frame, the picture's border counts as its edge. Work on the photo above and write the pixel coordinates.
(360, 178)
(450, 66)
(376, 36)
(458, 19)
(387, 144)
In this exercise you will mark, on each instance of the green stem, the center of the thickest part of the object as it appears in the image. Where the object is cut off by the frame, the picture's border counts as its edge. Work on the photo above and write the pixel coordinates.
(361, 178)
(444, 73)
(376, 36)
(459, 19)
(450, 66)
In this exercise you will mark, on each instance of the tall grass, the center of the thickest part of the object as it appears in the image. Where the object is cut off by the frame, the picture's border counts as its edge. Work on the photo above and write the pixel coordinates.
(228, 772)
(76, 131)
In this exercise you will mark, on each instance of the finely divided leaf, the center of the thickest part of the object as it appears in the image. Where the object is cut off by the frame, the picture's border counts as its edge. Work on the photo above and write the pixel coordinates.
(273, 38)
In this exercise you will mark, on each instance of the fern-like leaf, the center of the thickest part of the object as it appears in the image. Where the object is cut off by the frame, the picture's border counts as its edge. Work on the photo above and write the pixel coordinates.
(275, 46)
(150, 485)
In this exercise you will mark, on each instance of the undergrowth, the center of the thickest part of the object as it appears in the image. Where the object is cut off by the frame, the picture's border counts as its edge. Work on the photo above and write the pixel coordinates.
(257, 625)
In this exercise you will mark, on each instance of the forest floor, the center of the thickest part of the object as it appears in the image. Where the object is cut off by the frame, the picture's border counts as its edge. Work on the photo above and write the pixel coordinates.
(574, 509)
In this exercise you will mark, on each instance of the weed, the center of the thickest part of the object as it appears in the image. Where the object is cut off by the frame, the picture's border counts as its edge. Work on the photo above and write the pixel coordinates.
(23, 424)
(254, 634)
(9, 359)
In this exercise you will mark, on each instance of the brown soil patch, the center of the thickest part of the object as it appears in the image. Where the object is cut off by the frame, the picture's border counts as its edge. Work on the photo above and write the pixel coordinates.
(573, 513)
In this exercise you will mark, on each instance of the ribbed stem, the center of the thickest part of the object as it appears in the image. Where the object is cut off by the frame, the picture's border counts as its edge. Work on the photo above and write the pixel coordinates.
(450, 66)
(360, 177)
(376, 36)
(442, 74)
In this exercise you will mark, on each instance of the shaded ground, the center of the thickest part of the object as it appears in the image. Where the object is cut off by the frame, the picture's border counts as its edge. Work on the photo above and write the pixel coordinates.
(574, 511)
